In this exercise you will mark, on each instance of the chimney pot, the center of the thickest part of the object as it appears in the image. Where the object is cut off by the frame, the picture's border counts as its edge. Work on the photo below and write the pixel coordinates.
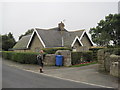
(61, 26)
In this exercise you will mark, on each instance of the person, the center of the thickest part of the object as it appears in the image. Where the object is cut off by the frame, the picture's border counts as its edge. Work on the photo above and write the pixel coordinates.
(40, 58)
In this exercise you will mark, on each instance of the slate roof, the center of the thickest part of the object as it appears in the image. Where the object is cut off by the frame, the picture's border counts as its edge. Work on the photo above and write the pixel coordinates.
(70, 36)
(22, 43)
(51, 38)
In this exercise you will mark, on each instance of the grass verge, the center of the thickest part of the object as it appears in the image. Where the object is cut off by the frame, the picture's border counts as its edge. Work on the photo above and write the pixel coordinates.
(83, 64)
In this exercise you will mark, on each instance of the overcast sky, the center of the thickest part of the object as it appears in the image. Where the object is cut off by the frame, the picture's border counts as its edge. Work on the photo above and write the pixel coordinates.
(18, 17)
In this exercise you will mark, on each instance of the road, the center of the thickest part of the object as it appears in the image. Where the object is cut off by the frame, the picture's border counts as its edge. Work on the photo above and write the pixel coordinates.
(0, 73)
(16, 78)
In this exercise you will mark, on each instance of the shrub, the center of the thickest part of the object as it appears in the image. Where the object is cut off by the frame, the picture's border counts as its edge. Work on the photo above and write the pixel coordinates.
(95, 50)
(25, 58)
(80, 57)
(7, 55)
(115, 51)
(53, 50)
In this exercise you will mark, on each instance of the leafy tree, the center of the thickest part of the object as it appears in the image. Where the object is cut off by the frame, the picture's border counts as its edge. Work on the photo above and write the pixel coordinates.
(26, 33)
(8, 41)
(107, 31)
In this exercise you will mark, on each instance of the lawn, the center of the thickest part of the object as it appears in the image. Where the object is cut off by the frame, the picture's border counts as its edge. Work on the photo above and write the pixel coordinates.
(83, 64)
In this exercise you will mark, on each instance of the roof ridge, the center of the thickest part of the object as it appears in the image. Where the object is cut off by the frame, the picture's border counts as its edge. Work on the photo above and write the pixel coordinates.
(77, 30)
(40, 29)
(53, 28)
(47, 29)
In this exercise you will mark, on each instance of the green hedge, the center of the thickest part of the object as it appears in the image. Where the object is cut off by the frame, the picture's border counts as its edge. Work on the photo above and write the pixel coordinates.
(115, 51)
(80, 57)
(7, 54)
(95, 50)
(53, 50)
(25, 58)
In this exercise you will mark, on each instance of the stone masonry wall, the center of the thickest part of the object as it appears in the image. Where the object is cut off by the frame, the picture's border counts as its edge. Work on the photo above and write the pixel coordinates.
(115, 65)
(50, 59)
(109, 63)
(66, 55)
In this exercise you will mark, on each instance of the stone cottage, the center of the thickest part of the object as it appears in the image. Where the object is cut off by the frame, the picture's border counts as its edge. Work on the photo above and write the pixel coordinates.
(54, 37)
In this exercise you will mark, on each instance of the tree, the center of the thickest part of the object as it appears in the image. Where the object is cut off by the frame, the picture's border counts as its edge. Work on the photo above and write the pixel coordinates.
(8, 41)
(26, 33)
(107, 31)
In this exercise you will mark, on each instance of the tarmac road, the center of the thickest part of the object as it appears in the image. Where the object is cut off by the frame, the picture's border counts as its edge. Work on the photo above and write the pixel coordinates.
(16, 78)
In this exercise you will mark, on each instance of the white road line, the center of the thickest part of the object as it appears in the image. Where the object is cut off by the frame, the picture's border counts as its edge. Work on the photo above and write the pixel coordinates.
(69, 79)
(62, 78)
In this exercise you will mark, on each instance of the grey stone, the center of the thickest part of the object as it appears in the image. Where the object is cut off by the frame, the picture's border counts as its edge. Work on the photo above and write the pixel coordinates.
(115, 65)
(67, 56)
(49, 59)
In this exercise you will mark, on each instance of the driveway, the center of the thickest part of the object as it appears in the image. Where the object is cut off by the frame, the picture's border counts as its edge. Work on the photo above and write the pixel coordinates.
(86, 74)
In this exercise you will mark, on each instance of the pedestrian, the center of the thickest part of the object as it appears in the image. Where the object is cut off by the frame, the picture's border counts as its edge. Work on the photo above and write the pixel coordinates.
(40, 59)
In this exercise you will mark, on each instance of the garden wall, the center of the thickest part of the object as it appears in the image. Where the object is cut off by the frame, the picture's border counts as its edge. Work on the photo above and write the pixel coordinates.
(69, 58)
(108, 62)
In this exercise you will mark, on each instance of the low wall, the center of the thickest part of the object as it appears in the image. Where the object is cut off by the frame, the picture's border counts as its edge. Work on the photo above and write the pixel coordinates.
(115, 65)
(49, 59)
(109, 63)
(67, 56)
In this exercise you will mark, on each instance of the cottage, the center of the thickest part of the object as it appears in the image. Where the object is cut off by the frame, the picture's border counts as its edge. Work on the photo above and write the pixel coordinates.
(54, 37)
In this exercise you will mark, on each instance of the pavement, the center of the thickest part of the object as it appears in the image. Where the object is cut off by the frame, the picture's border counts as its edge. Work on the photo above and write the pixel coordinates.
(85, 74)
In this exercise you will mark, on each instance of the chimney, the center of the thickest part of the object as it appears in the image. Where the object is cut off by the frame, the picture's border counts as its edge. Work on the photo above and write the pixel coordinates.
(61, 26)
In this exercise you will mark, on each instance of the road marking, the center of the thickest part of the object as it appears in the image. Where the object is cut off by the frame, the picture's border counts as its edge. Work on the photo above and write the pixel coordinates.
(62, 78)
(68, 79)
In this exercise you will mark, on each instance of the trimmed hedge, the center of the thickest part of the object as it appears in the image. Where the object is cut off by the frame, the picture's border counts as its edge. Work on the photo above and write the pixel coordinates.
(80, 57)
(7, 54)
(25, 58)
(115, 51)
(95, 50)
(53, 50)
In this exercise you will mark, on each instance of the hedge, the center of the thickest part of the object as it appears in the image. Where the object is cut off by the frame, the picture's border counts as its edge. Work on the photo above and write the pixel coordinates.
(115, 51)
(25, 58)
(53, 50)
(95, 50)
(80, 57)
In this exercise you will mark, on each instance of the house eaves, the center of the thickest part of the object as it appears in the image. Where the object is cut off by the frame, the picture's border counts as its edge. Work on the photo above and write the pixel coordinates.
(76, 38)
(35, 31)
(87, 36)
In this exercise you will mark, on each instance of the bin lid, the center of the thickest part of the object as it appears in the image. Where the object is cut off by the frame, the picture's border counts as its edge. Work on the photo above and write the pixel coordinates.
(59, 55)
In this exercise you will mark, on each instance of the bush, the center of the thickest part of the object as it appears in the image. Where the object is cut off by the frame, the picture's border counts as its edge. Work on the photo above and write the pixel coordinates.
(80, 57)
(53, 50)
(7, 55)
(115, 51)
(95, 50)
(25, 58)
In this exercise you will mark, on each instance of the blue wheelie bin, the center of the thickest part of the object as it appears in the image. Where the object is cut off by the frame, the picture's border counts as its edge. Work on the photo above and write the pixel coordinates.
(59, 60)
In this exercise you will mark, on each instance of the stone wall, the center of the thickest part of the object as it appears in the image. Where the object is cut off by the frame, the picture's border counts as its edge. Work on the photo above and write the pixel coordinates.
(109, 63)
(49, 59)
(36, 45)
(66, 55)
(115, 65)
(85, 40)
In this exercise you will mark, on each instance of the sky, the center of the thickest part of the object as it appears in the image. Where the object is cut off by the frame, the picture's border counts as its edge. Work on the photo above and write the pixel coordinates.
(18, 17)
